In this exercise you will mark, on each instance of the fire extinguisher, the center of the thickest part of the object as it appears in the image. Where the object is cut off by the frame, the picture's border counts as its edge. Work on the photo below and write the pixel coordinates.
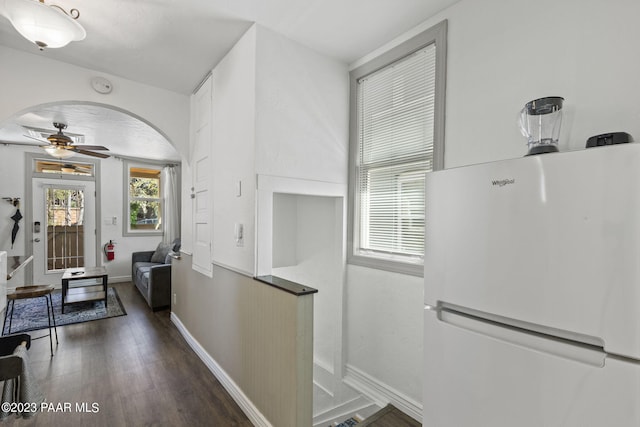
(110, 251)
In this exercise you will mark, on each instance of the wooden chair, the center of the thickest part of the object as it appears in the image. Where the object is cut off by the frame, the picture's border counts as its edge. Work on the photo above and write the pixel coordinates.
(34, 291)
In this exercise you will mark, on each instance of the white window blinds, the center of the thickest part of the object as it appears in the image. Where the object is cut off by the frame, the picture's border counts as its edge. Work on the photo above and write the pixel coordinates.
(395, 113)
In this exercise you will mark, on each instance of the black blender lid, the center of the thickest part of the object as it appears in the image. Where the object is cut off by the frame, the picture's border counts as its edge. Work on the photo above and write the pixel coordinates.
(546, 105)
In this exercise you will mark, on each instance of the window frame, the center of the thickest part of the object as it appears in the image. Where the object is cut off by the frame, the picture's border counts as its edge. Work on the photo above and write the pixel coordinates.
(126, 230)
(435, 35)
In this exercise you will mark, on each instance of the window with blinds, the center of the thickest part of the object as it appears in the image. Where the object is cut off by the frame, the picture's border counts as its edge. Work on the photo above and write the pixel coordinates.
(395, 132)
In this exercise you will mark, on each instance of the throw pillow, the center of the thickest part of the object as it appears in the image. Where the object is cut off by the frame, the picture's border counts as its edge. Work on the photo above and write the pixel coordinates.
(161, 252)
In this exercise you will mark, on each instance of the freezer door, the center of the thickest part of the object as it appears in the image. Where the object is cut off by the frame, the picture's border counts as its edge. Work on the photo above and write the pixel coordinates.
(484, 375)
(551, 239)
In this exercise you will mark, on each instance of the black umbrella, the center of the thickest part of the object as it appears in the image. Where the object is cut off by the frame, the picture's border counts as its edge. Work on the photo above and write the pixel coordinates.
(14, 232)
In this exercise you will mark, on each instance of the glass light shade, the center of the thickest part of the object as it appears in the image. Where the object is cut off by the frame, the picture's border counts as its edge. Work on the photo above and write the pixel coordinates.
(58, 152)
(43, 25)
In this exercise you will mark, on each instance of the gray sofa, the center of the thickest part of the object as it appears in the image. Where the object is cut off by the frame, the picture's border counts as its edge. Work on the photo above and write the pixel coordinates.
(151, 274)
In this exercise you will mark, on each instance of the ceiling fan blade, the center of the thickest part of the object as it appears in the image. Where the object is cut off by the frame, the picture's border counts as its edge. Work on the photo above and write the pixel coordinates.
(43, 133)
(89, 147)
(38, 130)
(37, 139)
(91, 153)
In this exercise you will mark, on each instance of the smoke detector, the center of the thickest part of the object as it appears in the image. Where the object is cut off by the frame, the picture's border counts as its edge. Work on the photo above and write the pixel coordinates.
(101, 85)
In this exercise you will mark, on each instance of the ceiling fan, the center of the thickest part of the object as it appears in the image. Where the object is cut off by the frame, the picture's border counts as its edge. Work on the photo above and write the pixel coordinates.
(62, 146)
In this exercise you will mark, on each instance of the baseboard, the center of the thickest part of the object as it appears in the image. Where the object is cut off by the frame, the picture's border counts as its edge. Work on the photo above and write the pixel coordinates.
(381, 393)
(323, 378)
(254, 415)
(118, 279)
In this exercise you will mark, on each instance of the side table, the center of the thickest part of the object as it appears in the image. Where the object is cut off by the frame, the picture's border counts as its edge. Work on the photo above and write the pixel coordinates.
(88, 289)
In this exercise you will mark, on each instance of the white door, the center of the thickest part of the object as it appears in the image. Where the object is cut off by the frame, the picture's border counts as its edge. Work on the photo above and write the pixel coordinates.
(201, 161)
(66, 214)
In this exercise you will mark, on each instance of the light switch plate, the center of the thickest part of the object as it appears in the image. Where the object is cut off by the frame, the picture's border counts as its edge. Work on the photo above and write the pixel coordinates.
(239, 234)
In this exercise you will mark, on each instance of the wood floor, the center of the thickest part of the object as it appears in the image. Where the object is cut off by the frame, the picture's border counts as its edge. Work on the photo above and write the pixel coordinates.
(137, 369)
(389, 416)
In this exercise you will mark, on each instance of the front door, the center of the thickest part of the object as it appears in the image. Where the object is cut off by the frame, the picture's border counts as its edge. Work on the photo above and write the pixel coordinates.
(64, 227)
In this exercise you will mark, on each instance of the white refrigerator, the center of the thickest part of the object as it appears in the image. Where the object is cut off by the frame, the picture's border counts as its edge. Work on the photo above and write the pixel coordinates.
(532, 292)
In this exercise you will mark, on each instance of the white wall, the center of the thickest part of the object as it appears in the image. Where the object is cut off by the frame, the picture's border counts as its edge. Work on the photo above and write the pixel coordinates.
(27, 80)
(12, 185)
(278, 109)
(585, 51)
(301, 117)
(504, 53)
(501, 54)
(307, 241)
(302, 114)
(112, 199)
(233, 153)
(262, 125)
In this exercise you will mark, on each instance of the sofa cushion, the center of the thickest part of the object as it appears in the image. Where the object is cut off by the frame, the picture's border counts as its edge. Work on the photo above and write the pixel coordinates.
(142, 264)
(144, 280)
(142, 268)
(161, 252)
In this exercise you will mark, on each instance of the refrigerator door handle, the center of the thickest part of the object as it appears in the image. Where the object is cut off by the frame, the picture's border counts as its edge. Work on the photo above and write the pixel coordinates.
(579, 352)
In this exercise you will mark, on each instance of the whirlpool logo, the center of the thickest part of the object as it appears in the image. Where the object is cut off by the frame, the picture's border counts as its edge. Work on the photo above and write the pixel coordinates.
(503, 182)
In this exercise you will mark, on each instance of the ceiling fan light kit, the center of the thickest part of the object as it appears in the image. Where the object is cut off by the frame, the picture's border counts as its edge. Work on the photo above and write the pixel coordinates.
(58, 152)
(45, 25)
(62, 147)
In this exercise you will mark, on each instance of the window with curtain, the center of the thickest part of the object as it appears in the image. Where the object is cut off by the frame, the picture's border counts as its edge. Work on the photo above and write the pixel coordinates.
(144, 196)
(171, 197)
(396, 138)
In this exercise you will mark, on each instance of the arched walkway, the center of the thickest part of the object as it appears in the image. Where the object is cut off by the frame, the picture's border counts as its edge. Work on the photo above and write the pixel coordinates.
(123, 132)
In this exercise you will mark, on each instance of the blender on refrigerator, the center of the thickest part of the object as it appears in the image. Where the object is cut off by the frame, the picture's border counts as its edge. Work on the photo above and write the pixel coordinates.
(540, 122)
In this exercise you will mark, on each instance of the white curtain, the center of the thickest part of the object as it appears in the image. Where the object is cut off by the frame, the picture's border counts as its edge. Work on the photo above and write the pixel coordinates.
(171, 195)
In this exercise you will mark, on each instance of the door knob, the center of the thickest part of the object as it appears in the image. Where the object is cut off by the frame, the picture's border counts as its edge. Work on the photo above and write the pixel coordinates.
(37, 239)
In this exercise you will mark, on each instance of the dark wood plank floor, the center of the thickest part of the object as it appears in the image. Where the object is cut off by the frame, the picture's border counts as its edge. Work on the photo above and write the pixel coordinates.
(390, 416)
(137, 369)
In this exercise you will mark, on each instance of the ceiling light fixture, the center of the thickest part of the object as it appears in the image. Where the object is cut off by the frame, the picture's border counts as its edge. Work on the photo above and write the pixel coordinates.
(45, 25)
(58, 152)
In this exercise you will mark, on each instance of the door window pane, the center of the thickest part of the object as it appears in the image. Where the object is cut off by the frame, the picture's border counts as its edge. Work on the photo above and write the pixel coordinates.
(65, 228)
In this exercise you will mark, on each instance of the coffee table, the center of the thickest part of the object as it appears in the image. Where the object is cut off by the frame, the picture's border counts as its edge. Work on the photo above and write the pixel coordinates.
(85, 289)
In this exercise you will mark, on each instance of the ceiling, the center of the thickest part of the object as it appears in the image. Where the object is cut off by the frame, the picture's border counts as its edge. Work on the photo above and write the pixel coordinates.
(150, 41)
